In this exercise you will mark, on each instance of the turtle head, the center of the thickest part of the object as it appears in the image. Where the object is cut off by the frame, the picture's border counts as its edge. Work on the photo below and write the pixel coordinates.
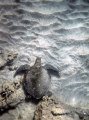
(38, 61)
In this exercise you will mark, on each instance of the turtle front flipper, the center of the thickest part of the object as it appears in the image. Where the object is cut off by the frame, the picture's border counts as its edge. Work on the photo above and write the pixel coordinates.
(53, 72)
(22, 69)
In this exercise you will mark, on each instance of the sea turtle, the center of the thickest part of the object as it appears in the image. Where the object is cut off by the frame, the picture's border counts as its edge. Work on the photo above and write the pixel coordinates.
(36, 79)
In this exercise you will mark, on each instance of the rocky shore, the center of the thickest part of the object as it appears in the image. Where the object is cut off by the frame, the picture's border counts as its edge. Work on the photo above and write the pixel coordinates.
(13, 106)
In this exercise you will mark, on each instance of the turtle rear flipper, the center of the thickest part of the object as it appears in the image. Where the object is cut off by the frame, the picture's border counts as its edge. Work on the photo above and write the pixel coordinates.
(22, 69)
(49, 94)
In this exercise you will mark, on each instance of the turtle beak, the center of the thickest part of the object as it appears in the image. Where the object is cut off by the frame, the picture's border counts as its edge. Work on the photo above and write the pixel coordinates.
(38, 60)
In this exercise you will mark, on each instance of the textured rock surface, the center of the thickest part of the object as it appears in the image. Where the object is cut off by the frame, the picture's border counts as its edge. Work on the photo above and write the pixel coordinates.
(12, 103)
(24, 111)
(50, 109)
(11, 94)
(6, 59)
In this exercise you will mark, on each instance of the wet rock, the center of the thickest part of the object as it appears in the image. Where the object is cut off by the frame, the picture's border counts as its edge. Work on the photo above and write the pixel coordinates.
(12, 102)
(49, 109)
(6, 59)
(12, 68)
(2, 60)
(11, 94)
(10, 57)
(24, 111)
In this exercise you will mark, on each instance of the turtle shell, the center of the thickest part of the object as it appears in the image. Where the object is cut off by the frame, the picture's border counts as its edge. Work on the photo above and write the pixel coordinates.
(37, 83)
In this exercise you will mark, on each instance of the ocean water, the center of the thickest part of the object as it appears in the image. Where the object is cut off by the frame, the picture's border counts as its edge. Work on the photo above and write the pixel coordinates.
(58, 32)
